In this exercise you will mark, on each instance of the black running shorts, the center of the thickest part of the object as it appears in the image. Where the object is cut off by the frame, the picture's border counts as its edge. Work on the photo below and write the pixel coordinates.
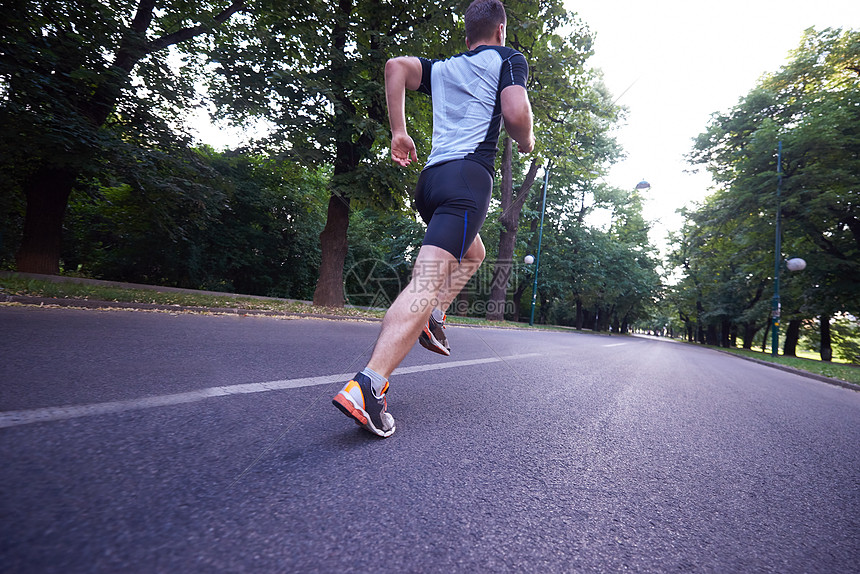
(453, 198)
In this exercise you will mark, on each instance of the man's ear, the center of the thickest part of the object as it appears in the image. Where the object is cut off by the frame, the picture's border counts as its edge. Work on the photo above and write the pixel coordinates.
(468, 44)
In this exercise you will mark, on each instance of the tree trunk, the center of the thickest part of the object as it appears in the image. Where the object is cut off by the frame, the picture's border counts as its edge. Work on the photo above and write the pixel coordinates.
(766, 336)
(507, 238)
(511, 208)
(711, 335)
(725, 331)
(826, 349)
(333, 243)
(47, 196)
(544, 310)
(792, 334)
(518, 298)
(351, 147)
(749, 335)
(501, 276)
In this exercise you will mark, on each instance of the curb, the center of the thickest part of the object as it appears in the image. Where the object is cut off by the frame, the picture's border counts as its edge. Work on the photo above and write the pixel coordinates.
(135, 286)
(92, 304)
(96, 304)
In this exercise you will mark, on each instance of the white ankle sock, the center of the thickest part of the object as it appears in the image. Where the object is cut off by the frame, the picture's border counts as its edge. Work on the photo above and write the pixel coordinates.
(377, 381)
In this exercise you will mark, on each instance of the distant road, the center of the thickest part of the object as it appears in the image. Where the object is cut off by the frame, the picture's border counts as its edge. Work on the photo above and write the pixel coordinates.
(157, 442)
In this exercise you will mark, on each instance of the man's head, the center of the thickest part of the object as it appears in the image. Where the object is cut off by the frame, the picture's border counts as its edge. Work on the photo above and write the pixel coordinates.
(483, 18)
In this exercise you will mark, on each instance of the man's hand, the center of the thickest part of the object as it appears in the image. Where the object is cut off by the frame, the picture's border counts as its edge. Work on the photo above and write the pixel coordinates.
(403, 149)
(401, 74)
(527, 146)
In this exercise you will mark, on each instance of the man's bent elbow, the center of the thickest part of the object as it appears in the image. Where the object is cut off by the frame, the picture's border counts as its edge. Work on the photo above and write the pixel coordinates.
(391, 67)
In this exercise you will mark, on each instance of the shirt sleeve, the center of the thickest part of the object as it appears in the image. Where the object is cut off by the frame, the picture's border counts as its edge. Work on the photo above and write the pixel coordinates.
(515, 71)
(426, 67)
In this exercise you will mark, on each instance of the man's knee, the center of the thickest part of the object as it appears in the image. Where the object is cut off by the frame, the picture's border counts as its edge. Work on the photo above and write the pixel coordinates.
(476, 252)
(431, 269)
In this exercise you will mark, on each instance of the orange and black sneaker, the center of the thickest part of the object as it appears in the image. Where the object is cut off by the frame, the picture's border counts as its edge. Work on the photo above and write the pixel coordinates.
(433, 337)
(358, 401)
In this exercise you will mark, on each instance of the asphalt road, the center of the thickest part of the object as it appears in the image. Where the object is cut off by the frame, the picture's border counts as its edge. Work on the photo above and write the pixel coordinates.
(151, 442)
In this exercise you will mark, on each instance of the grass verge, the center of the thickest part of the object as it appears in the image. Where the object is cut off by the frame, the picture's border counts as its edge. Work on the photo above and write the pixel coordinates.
(841, 371)
(15, 285)
(88, 292)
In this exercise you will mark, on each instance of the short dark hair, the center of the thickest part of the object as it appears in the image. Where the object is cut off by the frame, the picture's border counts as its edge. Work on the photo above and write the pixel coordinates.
(483, 18)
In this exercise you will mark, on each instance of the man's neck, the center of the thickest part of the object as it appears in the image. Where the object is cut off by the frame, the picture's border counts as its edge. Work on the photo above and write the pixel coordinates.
(477, 45)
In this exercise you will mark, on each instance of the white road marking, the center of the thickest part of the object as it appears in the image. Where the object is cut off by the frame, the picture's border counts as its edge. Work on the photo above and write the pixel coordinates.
(615, 345)
(46, 414)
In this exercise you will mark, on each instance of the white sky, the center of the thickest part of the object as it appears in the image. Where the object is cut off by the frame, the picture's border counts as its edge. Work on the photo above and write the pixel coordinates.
(683, 61)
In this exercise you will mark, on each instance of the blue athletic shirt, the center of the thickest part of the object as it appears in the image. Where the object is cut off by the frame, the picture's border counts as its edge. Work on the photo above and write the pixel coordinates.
(467, 109)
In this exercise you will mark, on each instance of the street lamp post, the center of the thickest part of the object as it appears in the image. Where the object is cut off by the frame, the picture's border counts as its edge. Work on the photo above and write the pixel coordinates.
(775, 311)
(540, 238)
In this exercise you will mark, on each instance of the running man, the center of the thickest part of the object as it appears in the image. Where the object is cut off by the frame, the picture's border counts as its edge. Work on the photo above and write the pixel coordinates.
(471, 94)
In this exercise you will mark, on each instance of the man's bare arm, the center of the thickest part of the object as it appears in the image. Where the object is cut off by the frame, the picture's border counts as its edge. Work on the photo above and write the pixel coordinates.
(401, 74)
(517, 112)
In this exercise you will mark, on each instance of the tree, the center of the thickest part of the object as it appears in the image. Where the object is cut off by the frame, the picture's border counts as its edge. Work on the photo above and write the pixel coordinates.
(315, 71)
(572, 116)
(511, 206)
(812, 105)
(73, 77)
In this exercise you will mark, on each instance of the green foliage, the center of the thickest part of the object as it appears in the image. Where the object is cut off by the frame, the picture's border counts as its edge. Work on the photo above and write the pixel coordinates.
(314, 70)
(595, 278)
(233, 223)
(383, 246)
(80, 90)
(812, 106)
(81, 81)
(845, 331)
(60, 70)
(12, 207)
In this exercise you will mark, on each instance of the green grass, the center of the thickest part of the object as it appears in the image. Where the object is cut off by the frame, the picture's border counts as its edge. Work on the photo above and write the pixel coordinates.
(841, 371)
(39, 288)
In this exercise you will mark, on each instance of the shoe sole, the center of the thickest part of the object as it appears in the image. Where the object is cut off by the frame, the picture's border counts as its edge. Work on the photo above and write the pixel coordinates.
(359, 415)
(431, 343)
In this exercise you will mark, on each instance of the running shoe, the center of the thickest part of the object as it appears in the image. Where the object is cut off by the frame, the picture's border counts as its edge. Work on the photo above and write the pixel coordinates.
(433, 337)
(358, 401)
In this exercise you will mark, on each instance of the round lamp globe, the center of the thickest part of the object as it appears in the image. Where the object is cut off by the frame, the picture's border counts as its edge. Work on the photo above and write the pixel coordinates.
(529, 259)
(796, 264)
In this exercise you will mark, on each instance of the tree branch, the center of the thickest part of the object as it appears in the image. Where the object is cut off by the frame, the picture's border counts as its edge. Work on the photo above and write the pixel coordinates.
(193, 31)
(132, 47)
(529, 180)
(143, 17)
